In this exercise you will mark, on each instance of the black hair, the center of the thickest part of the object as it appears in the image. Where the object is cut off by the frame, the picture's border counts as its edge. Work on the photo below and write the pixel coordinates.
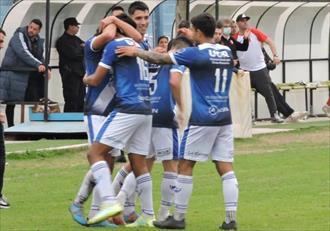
(137, 5)
(116, 7)
(184, 24)
(179, 43)
(2, 32)
(205, 23)
(161, 37)
(128, 20)
(37, 21)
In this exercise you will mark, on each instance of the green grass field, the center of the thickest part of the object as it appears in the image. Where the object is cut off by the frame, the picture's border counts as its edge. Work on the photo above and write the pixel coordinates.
(283, 180)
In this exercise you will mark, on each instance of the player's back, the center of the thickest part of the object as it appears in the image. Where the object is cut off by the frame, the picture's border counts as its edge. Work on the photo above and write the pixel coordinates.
(131, 79)
(162, 100)
(210, 76)
(98, 99)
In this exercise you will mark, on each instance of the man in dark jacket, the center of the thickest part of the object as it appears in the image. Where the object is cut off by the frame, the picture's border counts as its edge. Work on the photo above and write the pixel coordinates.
(3, 201)
(71, 55)
(17, 64)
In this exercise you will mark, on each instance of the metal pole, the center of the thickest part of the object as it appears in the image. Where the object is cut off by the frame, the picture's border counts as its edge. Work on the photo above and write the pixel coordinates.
(46, 62)
(187, 9)
(216, 9)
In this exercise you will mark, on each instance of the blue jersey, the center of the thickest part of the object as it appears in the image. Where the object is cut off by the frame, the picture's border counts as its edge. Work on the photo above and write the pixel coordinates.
(99, 99)
(131, 79)
(210, 76)
(162, 101)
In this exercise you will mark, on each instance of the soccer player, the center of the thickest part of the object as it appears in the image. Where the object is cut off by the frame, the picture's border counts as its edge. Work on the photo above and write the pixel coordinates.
(98, 103)
(165, 96)
(139, 12)
(129, 124)
(210, 127)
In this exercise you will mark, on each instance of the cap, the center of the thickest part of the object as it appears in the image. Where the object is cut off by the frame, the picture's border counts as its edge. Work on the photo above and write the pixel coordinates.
(71, 22)
(241, 17)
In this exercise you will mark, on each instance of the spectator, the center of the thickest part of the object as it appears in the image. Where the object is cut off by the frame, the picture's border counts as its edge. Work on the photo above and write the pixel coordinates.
(3, 202)
(234, 28)
(162, 44)
(326, 108)
(224, 28)
(71, 54)
(283, 107)
(117, 10)
(253, 61)
(35, 87)
(17, 64)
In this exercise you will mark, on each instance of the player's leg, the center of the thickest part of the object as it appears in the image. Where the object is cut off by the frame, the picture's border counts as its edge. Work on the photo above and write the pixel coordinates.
(120, 177)
(112, 133)
(223, 156)
(166, 143)
(102, 175)
(195, 146)
(92, 123)
(138, 148)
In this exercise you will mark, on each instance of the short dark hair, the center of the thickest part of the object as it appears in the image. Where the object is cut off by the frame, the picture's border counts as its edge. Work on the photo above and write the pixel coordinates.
(2, 32)
(205, 23)
(184, 24)
(179, 43)
(128, 20)
(161, 37)
(37, 21)
(137, 5)
(117, 7)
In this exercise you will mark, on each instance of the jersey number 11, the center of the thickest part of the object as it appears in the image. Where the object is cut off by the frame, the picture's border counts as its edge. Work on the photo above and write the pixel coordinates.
(218, 76)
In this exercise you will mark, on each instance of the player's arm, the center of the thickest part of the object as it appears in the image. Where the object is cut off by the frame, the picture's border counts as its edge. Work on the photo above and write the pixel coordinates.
(96, 78)
(128, 30)
(175, 83)
(150, 56)
(108, 34)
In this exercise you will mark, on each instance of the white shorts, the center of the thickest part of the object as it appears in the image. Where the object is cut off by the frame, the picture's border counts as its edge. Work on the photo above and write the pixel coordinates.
(93, 123)
(164, 143)
(126, 131)
(199, 142)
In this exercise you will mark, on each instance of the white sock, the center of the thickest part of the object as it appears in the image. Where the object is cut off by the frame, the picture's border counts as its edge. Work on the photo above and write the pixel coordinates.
(230, 194)
(144, 190)
(183, 190)
(127, 189)
(102, 176)
(119, 179)
(85, 190)
(129, 206)
(167, 186)
(95, 205)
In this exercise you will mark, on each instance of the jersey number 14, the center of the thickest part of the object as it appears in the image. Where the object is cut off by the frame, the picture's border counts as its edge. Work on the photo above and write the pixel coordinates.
(218, 76)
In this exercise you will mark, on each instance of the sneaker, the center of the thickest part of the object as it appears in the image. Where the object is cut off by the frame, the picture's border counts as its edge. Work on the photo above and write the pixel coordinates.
(77, 214)
(132, 217)
(229, 226)
(105, 212)
(298, 115)
(4, 204)
(106, 224)
(326, 109)
(170, 223)
(142, 221)
(276, 119)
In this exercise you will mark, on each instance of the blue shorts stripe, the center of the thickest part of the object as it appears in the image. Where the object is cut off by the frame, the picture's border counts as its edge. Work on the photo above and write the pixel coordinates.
(90, 128)
(105, 126)
(175, 144)
(183, 143)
